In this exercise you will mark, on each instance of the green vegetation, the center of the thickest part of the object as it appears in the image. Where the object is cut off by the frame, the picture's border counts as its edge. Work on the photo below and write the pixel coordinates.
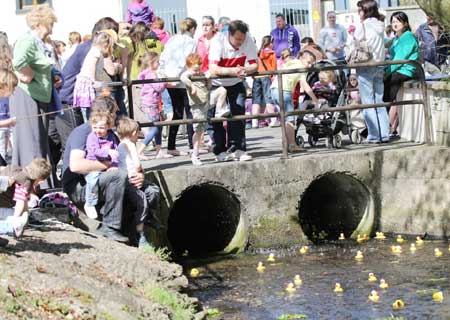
(292, 316)
(213, 313)
(106, 316)
(180, 309)
(161, 253)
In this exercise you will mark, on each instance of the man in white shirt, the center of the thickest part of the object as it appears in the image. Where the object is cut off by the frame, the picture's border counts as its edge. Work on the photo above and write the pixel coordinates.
(232, 53)
(332, 39)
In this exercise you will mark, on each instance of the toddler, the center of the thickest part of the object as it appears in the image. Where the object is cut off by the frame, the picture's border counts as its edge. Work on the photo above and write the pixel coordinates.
(8, 82)
(150, 100)
(101, 145)
(200, 100)
(353, 97)
(21, 182)
(128, 131)
(92, 69)
(324, 89)
(139, 10)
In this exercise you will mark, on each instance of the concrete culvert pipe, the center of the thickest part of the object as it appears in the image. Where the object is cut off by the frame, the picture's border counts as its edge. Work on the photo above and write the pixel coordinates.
(336, 203)
(206, 219)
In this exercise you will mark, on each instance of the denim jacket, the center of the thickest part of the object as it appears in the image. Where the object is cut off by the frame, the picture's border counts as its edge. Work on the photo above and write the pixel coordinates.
(433, 51)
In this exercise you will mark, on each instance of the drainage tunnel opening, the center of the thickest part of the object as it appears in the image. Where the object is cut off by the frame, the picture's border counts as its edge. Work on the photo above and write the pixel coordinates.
(332, 204)
(203, 220)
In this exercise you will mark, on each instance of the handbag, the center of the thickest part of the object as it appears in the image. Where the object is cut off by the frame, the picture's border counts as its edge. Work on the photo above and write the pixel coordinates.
(362, 52)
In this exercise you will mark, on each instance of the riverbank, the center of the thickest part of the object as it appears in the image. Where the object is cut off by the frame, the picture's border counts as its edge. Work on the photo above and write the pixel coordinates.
(57, 271)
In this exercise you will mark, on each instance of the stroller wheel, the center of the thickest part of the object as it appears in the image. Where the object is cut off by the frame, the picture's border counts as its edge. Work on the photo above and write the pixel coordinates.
(300, 141)
(337, 141)
(312, 140)
(355, 137)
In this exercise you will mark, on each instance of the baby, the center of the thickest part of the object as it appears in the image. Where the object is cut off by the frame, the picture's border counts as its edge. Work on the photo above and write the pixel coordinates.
(139, 10)
(101, 144)
(324, 89)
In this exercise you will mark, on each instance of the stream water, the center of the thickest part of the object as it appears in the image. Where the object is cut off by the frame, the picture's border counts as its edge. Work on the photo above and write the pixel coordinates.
(233, 286)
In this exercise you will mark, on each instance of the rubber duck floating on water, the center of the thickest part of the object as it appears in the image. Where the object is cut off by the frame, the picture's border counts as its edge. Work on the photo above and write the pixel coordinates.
(374, 297)
(359, 255)
(437, 252)
(380, 236)
(360, 239)
(372, 277)
(412, 248)
(271, 258)
(396, 249)
(400, 239)
(419, 240)
(438, 296)
(398, 304)
(338, 288)
(194, 272)
(341, 236)
(290, 287)
(297, 280)
(260, 267)
(383, 284)
(304, 249)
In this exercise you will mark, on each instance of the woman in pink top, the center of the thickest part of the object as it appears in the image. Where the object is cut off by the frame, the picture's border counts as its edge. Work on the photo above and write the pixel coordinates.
(204, 41)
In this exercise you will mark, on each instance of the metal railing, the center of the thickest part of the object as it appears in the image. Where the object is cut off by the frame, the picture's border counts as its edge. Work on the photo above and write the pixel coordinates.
(283, 114)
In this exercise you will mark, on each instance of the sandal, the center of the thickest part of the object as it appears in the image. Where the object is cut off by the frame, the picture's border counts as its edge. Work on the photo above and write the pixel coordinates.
(176, 153)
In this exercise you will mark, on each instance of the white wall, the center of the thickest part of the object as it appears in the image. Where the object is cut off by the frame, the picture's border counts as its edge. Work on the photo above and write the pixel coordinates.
(256, 13)
(80, 15)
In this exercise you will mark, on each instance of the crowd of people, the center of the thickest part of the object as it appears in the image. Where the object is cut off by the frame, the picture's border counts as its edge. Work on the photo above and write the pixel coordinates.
(66, 117)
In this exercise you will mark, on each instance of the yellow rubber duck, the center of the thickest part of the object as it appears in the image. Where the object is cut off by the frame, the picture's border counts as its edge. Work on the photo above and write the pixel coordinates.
(438, 296)
(380, 236)
(297, 280)
(419, 240)
(374, 297)
(360, 239)
(437, 252)
(194, 273)
(271, 258)
(304, 249)
(260, 267)
(412, 248)
(383, 284)
(366, 237)
(396, 249)
(372, 277)
(342, 237)
(398, 304)
(359, 255)
(338, 288)
(290, 287)
(400, 239)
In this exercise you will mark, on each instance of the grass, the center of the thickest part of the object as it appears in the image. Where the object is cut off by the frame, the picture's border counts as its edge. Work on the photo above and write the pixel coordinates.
(180, 309)
(162, 253)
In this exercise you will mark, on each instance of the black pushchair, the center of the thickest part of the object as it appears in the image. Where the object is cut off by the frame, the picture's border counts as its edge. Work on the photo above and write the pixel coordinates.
(328, 125)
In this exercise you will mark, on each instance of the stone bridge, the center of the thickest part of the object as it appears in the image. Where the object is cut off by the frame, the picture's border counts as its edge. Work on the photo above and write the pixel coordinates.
(271, 202)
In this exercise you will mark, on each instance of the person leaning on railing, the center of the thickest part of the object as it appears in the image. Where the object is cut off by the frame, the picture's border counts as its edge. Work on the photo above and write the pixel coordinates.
(404, 47)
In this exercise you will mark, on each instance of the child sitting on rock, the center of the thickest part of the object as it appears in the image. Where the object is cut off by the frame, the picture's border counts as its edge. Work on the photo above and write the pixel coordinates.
(128, 131)
(14, 201)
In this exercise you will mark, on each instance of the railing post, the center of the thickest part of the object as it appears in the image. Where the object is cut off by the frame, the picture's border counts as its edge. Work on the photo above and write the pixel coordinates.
(282, 117)
(130, 100)
(426, 105)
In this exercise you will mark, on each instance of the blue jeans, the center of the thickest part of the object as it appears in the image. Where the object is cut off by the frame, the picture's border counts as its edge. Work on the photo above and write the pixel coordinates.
(167, 102)
(371, 89)
(91, 191)
(7, 225)
(288, 104)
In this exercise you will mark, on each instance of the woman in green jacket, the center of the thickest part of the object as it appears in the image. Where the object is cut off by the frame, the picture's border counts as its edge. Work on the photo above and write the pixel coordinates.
(404, 47)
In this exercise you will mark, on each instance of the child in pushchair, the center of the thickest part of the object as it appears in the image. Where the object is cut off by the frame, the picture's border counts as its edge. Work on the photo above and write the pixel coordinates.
(328, 86)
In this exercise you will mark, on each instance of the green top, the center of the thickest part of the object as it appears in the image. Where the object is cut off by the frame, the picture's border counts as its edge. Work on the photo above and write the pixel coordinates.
(404, 48)
(137, 51)
(27, 52)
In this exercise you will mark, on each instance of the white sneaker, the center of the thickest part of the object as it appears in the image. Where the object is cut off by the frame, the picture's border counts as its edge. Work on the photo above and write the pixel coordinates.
(196, 160)
(90, 211)
(222, 157)
(224, 112)
(275, 123)
(240, 155)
